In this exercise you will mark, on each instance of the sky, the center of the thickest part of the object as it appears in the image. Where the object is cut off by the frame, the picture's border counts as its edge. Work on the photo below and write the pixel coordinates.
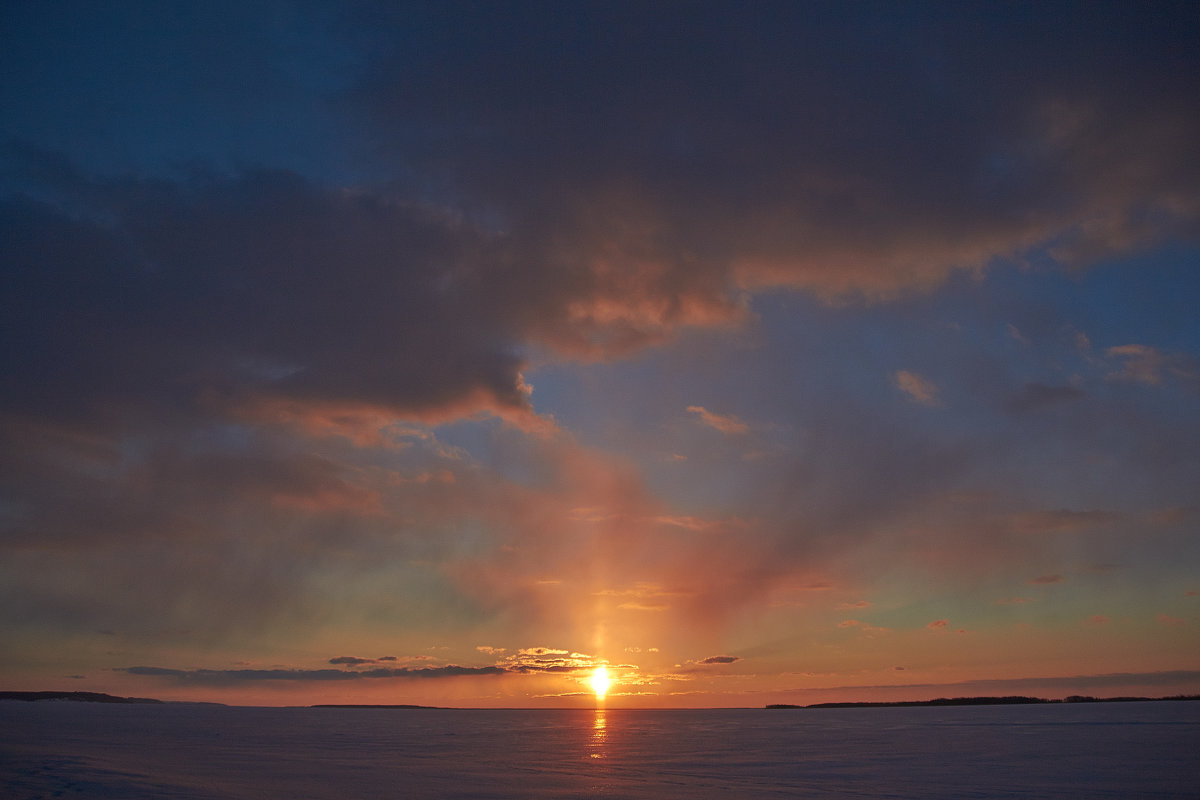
(440, 353)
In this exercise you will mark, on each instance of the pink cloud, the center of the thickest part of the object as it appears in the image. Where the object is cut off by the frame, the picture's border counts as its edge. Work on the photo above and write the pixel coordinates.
(1143, 364)
(869, 630)
(1062, 521)
(725, 423)
(938, 624)
(918, 389)
(1043, 580)
(1167, 619)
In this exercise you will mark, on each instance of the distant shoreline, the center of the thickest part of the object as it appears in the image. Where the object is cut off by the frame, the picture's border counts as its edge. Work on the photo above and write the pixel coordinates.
(75, 697)
(983, 701)
(400, 706)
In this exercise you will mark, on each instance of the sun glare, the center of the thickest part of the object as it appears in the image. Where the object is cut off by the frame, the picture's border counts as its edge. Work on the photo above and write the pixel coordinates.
(600, 681)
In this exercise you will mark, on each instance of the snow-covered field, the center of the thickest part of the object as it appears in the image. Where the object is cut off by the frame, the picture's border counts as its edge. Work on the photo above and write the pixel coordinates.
(75, 750)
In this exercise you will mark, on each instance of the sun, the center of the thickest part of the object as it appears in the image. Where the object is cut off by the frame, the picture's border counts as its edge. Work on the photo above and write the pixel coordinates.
(600, 681)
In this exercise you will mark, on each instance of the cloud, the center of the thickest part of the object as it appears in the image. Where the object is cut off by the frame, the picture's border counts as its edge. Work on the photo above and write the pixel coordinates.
(1167, 619)
(351, 660)
(856, 604)
(938, 624)
(348, 280)
(720, 660)
(1148, 365)
(1045, 580)
(917, 388)
(1037, 396)
(869, 630)
(1015, 333)
(226, 677)
(851, 196)
(725, 423)
(550, 660)
(1062, 521)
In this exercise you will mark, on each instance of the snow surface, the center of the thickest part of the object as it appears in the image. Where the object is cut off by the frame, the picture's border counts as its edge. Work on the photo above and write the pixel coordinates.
(1119, 750)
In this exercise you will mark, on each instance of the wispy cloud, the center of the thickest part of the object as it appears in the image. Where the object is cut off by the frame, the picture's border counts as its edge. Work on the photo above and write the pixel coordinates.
(917, 388)
(225, 677)
(725, 423)
(1148, 365)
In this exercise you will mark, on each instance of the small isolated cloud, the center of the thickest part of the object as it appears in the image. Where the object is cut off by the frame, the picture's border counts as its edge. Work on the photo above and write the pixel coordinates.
(720, 660)
(352, 661)
(491, 651)
(856, 604)
(643, 605)
(938, 624)
(1015, 334)
(899, 669)
(1036, 396)
(641, 597)
(869, 630)
(1098, 619)
(1044, 580)
(725, 423)
(387, 658)
(1167, 619)
(918, 389)
(688, 523)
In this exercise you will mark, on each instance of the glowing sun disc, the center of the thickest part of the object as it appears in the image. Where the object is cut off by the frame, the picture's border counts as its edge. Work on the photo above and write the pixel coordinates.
(600, 681)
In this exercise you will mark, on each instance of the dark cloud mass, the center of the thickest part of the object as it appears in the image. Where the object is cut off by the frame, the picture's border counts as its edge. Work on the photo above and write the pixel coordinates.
(257, 295)
(846, 152)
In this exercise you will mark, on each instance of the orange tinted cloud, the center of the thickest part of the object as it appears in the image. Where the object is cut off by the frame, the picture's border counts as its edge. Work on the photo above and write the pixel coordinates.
(917, 388)
(725, 423)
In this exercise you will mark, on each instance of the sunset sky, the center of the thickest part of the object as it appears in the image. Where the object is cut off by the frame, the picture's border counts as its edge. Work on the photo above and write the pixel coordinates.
(439, 353)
